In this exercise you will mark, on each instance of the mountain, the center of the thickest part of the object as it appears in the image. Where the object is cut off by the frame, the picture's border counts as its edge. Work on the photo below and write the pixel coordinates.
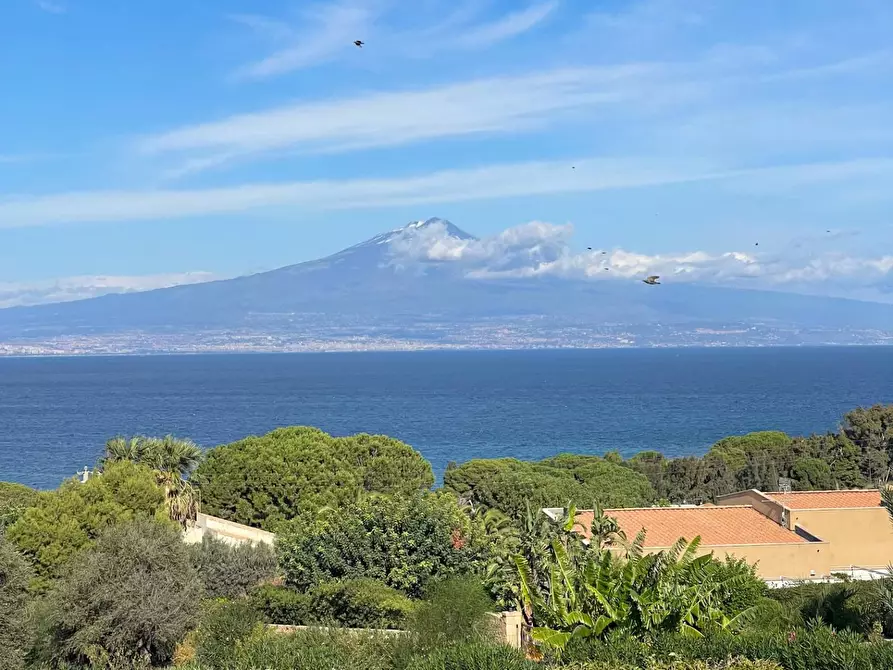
(367, 294)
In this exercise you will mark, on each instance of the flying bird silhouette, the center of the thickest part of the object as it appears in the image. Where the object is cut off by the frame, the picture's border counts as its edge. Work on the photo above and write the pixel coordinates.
(652, 280)
(359, 43)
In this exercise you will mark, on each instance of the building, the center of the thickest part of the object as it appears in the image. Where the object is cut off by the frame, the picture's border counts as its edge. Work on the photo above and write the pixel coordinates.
(227, 531)
(854, 523)
(781, 554)
(795, 536)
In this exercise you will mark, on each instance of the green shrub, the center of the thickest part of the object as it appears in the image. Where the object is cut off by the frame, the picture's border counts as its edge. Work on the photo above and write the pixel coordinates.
(404, 542)
(282, 605)
(229, 571)
(14, 500)
(224, 626)
(361, 603)
(127, 600)
(14, 628)
(262, 480)
(311, 650)
(472, 656)
(456, 611)
(851, 606)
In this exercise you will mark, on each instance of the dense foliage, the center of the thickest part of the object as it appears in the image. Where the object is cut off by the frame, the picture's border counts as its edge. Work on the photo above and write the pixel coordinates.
(64, 521)
(125, 601)
(404, 542)
(360, 603)
(172, 460)
(456, 611)
(509, 485)
(14, 500)
(14, 628)
(232, 571)
(263, 480)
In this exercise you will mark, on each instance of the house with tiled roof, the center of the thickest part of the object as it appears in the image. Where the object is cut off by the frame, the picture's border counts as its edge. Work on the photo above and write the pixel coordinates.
(799, 535)
(853, 522)
(781, 554)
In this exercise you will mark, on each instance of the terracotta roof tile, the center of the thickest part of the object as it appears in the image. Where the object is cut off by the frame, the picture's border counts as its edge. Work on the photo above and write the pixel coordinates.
(827, 499)
(717, 526)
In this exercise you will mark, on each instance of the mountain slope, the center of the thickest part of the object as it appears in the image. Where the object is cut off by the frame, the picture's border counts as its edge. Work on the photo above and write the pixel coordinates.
(366, 287)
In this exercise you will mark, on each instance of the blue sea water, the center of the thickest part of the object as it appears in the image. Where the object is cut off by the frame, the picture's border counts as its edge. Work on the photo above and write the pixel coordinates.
(56, 413)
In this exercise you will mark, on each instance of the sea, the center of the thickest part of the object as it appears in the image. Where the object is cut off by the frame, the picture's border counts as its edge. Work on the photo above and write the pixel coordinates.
(57, 413)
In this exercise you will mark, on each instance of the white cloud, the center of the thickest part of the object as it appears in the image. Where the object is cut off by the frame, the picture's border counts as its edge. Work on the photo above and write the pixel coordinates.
(489, 182)
(496, 106)
(539, 249)
(13, 294)
(507, 27)
(331, 29)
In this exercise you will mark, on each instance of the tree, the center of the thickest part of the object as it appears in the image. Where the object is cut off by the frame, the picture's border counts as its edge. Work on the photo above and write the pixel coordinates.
(125, 601)
(261, 481)
(64, 521)
(172, 460)
(509, 485)
(14, 500)
(405, 542)
(812, 474)
(14, 629)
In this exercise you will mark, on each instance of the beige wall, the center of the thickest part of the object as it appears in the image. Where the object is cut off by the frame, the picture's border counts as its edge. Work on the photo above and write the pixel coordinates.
(233, 533)
(774, 561)
(861, 537)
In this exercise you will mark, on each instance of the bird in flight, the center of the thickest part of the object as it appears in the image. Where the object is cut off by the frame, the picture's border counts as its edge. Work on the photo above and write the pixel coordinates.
(359, 43)
(652, 280)
(590, 248)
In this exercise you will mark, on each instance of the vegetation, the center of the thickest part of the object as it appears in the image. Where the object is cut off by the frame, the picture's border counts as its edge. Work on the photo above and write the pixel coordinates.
(360, 603)
(508, 484)
(403, 542)
(126, 601)
(14, 629)
(64, 521)
(261, 481)
(171, 459)
(229, 571)
(14, 500)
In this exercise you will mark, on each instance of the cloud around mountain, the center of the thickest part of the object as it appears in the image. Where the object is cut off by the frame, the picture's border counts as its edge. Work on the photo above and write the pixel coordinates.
(540, 249)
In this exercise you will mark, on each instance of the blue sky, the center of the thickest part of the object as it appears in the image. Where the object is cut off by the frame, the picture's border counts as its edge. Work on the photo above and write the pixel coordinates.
(142, 141)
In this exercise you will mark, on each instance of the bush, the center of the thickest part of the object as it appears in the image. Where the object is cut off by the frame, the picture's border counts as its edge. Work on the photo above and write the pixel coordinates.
(128, 599)
(67, 520)
(851, 606)
(282, 605)
(261, 481)
(312, 650)
(232, 571)
(361, 603)
(14, 500)
(457, 611)
(473, 656)
(817, 648)
(404, 542)
(14, 629)
(224, 626)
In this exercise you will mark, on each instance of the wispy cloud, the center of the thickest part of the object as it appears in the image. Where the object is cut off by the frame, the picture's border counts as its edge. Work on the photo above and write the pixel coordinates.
(494, 106)
(506, 27)
(51, 7)
(489, 182)
(13, 294)
(540, 249)
(329, 29)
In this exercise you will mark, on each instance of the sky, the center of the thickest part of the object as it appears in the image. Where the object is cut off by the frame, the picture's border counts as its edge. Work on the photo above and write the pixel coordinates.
(154, 143)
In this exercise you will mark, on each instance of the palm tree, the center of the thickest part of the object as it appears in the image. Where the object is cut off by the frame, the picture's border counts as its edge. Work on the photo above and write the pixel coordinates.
(173, 460)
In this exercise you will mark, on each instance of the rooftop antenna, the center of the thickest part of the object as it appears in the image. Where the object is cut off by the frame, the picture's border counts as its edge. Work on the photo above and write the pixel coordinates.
(784, 484)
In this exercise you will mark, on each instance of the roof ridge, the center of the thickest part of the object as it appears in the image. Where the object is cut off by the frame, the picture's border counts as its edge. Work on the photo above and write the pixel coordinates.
(788, 493)
(673, 508)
